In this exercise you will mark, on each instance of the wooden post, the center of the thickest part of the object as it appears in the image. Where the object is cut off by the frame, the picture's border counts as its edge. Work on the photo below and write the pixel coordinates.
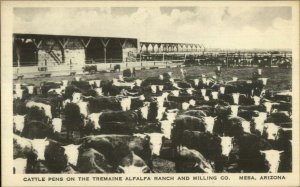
(105, 44)
(227, 59)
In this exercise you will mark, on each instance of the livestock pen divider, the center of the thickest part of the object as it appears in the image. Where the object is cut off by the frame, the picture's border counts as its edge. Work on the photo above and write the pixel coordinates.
(54, 69)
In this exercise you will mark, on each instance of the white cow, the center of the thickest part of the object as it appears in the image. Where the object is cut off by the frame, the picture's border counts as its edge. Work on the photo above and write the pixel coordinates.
(175, 93)
(125, 103)
(160, 87)
(145, 110)
(156, 141)
(160, 101)
(56, 124)
(30, 89)
(236, 97)
(234, 110)
(153, 88)
(259, 71)
(256, 100)
(76, 97)
(209, 122)
(98, 83)
(246, 126)
(83, 107)
(138, 82)
(19, 92)
(19, 122)
(185, 106)
(273, 159)
(72, 152)
(203, 92)
(91, 82)
(214, 95)
(65, 83)
(206, 98)
(227, 145)
(269, 106)
(166, 128)
(192, 102)
(39, 146)
(272, 130)
(160, 113)
(264, 80)
(196, 82)
(222, 89)
(94, 119)
(99, 91)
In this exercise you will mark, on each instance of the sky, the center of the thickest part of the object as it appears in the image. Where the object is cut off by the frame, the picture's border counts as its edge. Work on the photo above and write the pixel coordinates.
(214, 27)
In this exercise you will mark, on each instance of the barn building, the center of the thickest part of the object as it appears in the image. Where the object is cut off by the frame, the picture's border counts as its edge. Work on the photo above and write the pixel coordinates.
(51, 50)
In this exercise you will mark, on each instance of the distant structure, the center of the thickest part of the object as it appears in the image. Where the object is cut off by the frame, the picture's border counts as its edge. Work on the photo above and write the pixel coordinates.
(36, 49)
(52, 50)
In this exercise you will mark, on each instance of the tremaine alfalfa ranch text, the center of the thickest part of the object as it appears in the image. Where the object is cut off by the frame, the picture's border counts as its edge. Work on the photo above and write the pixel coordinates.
(156, 178)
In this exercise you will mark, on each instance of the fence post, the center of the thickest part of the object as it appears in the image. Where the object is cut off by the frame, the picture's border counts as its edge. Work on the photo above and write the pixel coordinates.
(45, 65)
(71, 66)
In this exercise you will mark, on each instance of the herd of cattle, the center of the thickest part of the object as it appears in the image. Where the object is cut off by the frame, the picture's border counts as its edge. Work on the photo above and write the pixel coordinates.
(202, 124)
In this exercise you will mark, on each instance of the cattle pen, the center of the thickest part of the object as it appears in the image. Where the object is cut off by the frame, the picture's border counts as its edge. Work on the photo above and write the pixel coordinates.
(73, 95)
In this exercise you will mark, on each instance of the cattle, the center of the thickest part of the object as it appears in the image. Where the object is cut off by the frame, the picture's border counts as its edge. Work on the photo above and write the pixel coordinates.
(46, 86)
(234, 110)
(93, 120)
(71, 151)
(19, 122)
(155, 140)
(57, 125)
(36, 129)
(209, 145)
(235, 97)
(22, 147)
(250, 158)
(203, 125)
(273, 159)
(185, 122)
(98, 104)
(209, 123)
(271, 131)
(91, 161)
(192, 161)
(42, 106)
(55, 158)
(74, 120)
(132, 163)
(116, 147)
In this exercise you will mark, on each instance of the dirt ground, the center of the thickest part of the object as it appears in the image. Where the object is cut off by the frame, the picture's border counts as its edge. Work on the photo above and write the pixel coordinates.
(278, 78)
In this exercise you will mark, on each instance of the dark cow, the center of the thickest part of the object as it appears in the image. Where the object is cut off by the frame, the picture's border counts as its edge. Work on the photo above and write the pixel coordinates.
(192, 161)
(91, 161)
(74, 120)
(116, 147)
(132, 163)
(250, 157)
(55, 158)
(185, 122)
(207, 144)
(36, 129)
